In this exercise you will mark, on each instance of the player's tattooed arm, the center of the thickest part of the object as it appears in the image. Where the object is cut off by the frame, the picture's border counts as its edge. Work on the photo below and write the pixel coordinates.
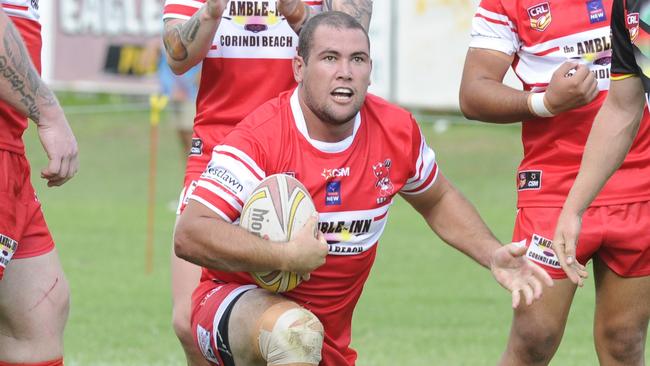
(361, 10)
(22, 87)
(188, 41)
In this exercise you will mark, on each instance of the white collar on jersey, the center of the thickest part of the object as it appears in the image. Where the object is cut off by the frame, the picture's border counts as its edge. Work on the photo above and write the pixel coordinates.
(329, 147)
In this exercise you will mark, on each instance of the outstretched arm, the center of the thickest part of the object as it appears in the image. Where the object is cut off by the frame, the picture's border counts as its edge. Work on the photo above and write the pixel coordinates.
(611, 136)
(188, 41)
(483, 96)
(457, 222)
(22, 88)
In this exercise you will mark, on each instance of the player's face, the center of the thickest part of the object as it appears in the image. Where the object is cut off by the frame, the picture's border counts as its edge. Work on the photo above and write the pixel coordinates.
(335, 78)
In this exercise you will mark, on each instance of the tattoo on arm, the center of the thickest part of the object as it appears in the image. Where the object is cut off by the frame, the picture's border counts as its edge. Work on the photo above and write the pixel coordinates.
(179, 36)
(361, 10)
(17, 69)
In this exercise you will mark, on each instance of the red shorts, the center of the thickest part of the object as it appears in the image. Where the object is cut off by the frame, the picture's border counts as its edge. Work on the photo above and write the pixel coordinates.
(618, 234)
(21, 217)
(212, 303)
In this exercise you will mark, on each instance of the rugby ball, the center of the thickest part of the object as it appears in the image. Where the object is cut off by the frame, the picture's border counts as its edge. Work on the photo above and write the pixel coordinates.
(278, 208)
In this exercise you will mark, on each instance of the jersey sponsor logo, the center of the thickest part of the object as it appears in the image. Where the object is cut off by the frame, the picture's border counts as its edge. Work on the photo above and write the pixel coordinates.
(253, 16)
(381, 171)
(596, 11)
(335, 173)
(205, 344)
(224, 177)
(540, 16)
(333, 193)
(8, 247)
(197, 147)
(529, 179)
(632, 23)
(541, 251)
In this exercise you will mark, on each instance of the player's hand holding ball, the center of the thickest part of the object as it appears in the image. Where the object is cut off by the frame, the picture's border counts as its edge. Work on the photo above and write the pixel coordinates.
(572, 85)
(280, 209)
(306, 252)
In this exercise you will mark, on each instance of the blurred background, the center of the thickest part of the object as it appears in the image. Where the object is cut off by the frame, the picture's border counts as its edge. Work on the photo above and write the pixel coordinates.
(424, 304)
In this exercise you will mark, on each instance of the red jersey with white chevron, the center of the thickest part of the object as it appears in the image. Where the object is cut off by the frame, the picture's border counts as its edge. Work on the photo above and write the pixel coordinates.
(24, 15)
(249, 63)
(543, 34)
(352, 183)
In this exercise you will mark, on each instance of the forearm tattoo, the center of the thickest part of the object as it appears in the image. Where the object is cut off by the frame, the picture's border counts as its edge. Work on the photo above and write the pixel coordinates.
(16, 68)
(361, 10)
(178, 37)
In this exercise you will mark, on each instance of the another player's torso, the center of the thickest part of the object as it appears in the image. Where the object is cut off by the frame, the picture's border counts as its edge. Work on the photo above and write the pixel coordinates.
(549, 34)
(24, 15)
(248, 63)
(352, 190)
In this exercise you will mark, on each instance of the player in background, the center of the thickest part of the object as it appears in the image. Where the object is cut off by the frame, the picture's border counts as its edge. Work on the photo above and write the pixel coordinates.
(34, 294)
(246, 48)
(626, 309)
(181, 91)
(326, 124)
(561, 51)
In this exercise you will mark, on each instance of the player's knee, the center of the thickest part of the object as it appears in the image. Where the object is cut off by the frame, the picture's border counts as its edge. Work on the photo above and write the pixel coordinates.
(623, 343)
(182, 325)
(296, 336)
(537, 344)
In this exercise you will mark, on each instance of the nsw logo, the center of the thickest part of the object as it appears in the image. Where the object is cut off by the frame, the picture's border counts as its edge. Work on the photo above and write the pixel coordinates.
(529, 179)
(540, 16)
(333, 193)
(596, 11)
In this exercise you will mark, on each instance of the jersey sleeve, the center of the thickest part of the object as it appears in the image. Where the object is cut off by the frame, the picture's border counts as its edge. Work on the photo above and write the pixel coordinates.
(424, 169)
(181, 9)
(623, 61)
(231, 175)
(493, 29)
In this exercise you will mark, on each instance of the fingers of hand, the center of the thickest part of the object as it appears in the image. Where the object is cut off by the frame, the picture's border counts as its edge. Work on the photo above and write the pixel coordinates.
(534, 283)
(516, 299)
(528, 294)
(542, 275)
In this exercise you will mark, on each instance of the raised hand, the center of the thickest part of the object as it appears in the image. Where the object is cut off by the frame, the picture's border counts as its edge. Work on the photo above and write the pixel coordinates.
(572, 85)
(565, 242)
(215, 8)
(517, 274)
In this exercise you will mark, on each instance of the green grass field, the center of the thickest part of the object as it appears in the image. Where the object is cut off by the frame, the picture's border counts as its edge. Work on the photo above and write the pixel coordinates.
(424, 303)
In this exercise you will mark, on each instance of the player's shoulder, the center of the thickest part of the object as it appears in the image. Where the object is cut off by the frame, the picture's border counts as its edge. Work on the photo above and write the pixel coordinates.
(264, 123)
(386, 114)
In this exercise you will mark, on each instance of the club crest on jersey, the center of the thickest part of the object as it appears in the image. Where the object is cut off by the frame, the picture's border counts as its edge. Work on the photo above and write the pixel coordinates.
(632, 23)
(383, 184)
(529, 180)
(540, 16)
(596, 11)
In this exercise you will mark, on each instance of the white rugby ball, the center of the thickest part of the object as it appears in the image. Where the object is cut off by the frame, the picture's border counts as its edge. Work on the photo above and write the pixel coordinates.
(278, 208)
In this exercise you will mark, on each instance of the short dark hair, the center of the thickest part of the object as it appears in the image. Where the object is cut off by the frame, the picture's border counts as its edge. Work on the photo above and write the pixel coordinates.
(334, 19)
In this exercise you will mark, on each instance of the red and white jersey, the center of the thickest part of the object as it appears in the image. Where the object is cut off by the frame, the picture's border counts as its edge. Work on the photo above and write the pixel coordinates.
(249, 63)
(24, 15)
(352, 183)
(542, 35)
